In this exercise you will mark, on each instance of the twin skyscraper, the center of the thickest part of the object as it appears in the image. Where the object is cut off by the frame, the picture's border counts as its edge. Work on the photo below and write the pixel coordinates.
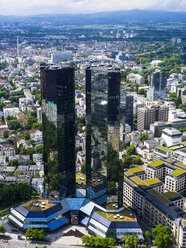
(105, 123)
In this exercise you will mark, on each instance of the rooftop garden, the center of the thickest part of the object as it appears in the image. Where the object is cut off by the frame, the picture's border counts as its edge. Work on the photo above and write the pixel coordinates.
(139, 181)
(170, 194)
(177, 172)
(152, 181)
(159, 196)
(129, 181)
(164, 148)
(80, 178)
(124, 215)
(157, 163)
(38, 205)
(135, 170)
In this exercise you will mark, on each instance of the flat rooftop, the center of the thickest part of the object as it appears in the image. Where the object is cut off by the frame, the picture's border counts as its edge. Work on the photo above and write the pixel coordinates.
(152, 181)
(170, 194)
(80, 178)
(163, 148)
(159, 196)
(124, 215)
(138, 181)
(38, 205)
(135, 170)
(157, 163)
(177, 172)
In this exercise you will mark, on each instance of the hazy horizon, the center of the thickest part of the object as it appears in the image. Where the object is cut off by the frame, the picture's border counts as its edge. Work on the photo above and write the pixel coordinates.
(36, 7)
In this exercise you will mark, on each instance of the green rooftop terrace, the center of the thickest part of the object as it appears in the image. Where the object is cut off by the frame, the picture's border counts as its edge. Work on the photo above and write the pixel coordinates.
(152, 181)
(170, 194)
(124, 215)
(177, 172)
(157, 163)
(135, 170)
(38, 205)
(139, 181)
(159, 196)
(163, 148)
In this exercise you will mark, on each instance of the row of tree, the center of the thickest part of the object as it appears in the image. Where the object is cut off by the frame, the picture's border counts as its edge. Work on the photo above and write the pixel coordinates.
(92, 241)
(13, 192)
(35, 234)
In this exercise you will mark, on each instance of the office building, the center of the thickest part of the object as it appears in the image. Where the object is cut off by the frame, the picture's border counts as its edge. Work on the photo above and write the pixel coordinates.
(61, 56)
(105, 120)
(158, 84)
(170, 137)
(58, 116)
(129, 111)
(149, 114)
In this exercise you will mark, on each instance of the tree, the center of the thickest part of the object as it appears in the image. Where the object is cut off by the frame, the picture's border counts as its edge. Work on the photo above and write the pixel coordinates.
(23, 190)
(147, 236)
(35, 234)
(30, 121)
(37, 126)
(142, 92)
(2, 229)
(5, 134)
(39, 149)
(162, 236)
(129, 241)
(128, 161)
(135, 241)
(137, 160)
(27, 151)
(131, 150)
(13, 162)
(26, 136)
(1, 105)
(83, 168)
(144, 137)
(13, 125)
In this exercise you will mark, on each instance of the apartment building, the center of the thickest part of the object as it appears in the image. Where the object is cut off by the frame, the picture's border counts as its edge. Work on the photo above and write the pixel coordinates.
(176, 181)
(182, 234)
(175, 198)
(153, 207)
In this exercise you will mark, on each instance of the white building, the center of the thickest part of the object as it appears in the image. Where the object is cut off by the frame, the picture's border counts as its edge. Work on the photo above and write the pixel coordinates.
(10, 110)
(170, 137)
(61, 56)
(136, 78)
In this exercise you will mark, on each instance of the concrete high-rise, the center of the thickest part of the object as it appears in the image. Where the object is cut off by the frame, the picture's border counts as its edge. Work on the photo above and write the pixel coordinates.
(105, 120)
(58, 117)
(158, 84)
(149, 114)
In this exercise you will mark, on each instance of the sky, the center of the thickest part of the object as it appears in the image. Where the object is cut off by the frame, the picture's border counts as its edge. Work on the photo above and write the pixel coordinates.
(30, 7)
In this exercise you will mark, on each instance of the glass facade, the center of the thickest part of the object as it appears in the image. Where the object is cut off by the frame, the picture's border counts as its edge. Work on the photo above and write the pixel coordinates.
(58, 114)
(105, 121)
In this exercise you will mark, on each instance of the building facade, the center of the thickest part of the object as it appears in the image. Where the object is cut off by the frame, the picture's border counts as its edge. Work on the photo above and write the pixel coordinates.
(105, 120)
(158, 84)
(58, 116)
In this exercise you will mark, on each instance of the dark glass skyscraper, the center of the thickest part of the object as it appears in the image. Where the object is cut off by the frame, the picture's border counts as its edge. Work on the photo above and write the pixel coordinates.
(129, 111)
(58, 114)
(105, 120)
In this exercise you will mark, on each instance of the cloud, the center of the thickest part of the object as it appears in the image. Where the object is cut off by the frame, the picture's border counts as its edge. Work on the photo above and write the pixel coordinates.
(26, 7)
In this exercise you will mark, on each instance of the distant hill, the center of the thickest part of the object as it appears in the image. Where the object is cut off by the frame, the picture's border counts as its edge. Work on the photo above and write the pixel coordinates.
(116, 17)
